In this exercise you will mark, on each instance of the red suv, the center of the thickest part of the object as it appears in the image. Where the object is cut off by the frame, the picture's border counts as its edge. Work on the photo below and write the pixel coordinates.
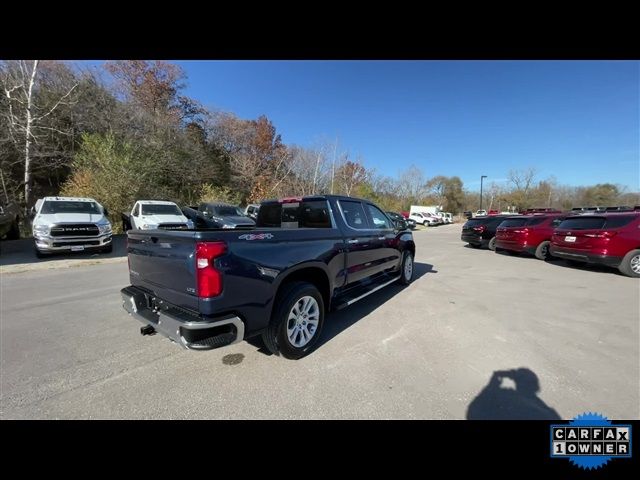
(528, 234)
(611, 239)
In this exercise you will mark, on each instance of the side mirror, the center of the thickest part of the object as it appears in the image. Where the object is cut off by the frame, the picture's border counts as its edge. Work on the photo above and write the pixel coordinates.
(32, 212)
(135, 213)
(105, 211)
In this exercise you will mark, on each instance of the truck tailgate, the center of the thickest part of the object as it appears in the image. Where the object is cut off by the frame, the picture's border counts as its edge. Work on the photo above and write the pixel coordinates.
(163, 262)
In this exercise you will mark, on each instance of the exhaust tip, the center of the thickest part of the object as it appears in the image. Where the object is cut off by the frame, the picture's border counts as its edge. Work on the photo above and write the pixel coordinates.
(147, 330)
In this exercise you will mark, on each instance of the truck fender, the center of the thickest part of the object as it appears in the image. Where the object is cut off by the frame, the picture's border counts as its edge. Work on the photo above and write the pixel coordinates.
(294, 271)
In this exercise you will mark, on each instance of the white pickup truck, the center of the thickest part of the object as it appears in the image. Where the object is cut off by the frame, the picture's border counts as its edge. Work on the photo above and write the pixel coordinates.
(70, 224)
(152, 214)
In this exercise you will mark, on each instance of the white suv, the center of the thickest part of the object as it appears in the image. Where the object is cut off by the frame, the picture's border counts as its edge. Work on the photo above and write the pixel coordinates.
(424, 219)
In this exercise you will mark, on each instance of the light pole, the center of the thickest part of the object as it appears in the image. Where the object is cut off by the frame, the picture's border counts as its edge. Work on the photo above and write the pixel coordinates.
(481, 178)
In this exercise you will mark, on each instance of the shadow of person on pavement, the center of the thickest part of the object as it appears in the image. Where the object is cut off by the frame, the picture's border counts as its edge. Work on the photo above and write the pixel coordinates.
(497, 402)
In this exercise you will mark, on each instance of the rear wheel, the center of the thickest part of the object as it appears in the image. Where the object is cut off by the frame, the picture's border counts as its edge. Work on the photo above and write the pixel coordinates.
(542, 252)
(297, 321)
(406, 268)
(492, 244)
(630, 265)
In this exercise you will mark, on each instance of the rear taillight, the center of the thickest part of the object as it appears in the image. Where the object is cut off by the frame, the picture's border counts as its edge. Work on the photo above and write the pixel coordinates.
(524, 230)
(601, 235)
(479, 229)
(208, 279)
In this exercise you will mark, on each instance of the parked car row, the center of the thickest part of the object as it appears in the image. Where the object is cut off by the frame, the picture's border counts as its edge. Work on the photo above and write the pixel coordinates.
(70, 224)
(609, 238)
(431, 219)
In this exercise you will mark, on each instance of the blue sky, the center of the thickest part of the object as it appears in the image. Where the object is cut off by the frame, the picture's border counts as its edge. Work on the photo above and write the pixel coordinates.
(576, 120)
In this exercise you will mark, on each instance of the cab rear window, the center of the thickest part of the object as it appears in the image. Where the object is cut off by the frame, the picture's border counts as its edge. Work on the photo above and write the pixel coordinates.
(311, 214)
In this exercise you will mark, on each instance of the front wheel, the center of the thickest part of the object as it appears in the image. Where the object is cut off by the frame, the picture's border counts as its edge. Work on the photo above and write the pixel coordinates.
(108, 249)
(630, 265)
(297, 321)
(406, 268)
(492, 244)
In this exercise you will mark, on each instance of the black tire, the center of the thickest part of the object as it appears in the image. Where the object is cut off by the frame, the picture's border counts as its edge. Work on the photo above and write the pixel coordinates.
(627, 268)
(405, 279)
(275, 336)
(14, 231)
(492, 244)
(542, 252)
(108, 249)
(40, 254)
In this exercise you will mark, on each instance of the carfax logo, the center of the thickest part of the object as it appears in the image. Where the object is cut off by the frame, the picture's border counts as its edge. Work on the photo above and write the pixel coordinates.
(590, 441)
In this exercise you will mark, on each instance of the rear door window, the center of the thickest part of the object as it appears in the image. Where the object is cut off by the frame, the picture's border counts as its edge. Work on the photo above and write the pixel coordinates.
(582, 223)
(619, 221)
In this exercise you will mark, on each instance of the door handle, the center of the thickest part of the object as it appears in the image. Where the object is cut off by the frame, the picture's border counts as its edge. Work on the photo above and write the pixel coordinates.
(352, 241)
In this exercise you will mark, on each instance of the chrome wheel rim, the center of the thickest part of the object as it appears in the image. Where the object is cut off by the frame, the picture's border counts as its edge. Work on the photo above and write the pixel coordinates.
(635, 264)
(408, 267)
(302, 322)
(545, 250)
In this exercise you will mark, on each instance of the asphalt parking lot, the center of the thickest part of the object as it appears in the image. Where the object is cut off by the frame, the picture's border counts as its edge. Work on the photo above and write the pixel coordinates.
(476, 335)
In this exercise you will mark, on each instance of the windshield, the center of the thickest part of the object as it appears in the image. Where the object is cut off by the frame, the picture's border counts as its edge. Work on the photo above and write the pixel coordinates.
(227, 211)
(67, 206)
(160, 209)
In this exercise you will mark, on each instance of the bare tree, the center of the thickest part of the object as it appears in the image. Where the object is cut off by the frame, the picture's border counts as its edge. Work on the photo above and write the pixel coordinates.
(25, 117)
(522, 179)
(310, 172)
(412, 184)
(350, 174)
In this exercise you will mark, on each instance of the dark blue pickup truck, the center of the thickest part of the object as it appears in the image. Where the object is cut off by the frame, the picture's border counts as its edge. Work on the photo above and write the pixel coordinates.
(207, 288)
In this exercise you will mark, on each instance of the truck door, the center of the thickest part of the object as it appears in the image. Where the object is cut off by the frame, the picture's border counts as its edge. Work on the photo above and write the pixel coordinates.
(387, 254)
(360, 240)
